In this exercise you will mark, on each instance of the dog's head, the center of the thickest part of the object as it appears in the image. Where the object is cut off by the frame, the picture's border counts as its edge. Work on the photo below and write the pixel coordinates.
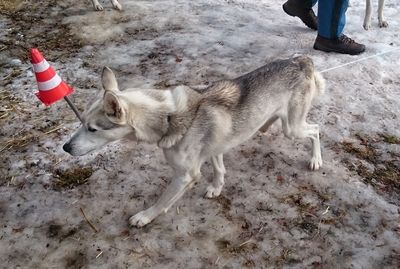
(104, 121)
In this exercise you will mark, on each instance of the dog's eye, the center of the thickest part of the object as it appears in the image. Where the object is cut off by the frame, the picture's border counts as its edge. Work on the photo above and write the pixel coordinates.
(91, 129)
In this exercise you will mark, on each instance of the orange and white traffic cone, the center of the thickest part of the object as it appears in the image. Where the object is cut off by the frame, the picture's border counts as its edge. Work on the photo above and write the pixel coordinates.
(51, 87)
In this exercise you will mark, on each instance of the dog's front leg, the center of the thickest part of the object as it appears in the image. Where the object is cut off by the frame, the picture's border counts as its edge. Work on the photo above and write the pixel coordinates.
(173, 192)
(367, 18)
(97, 5)
(382, 22)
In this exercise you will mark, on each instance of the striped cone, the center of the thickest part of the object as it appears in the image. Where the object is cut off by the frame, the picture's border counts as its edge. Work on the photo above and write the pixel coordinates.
(51, 87)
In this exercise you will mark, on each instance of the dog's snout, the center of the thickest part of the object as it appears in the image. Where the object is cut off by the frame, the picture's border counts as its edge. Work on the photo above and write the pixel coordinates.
(67, 147)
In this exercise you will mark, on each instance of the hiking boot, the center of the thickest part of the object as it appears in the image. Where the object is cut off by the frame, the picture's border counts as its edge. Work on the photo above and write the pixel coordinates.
(343, 44)
(295, 8)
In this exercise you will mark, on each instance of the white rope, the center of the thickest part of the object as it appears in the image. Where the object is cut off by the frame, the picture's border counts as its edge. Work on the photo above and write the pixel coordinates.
(359, 60)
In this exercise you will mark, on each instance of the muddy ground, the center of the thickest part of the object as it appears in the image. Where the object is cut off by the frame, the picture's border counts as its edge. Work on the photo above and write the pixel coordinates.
(58, 211)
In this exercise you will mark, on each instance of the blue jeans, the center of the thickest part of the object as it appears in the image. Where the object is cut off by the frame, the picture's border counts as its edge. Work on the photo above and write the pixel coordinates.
(331, 16)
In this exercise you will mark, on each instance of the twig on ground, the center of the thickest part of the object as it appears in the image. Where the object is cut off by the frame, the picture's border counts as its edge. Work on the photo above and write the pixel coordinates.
(246, 242)
(326, 210)
(11, 181)
(216, 262)
(320, 222)
(54, 129)
(59, 160)
(88, 221)
(4, 115)
(98, 255)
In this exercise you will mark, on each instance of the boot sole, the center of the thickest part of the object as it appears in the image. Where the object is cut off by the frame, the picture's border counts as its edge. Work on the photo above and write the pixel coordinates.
(287, 12)
(327, 49)
(295, 15)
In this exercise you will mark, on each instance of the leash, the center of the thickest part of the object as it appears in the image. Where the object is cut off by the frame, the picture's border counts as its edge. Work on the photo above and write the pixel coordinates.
(359, 60)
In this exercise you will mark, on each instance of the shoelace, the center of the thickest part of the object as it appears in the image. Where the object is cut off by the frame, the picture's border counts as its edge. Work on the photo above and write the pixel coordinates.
(346, 40)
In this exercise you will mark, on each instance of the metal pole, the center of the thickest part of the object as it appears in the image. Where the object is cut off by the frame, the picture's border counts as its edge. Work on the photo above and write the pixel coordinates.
(73, 107)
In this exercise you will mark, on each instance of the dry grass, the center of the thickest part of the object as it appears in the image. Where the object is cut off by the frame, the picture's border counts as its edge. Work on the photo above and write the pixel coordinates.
(55, 40)
(384, 178)
(18, 142)
(71, 178)
(8, 104)
(364, 152)
(10, 5)
(5, 180)
(382, 173)
(11, 76)
(390, 139)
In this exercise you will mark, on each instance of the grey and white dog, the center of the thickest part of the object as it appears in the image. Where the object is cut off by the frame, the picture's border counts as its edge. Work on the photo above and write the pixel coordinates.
(194, 126)
(97, 6)
(368, 12)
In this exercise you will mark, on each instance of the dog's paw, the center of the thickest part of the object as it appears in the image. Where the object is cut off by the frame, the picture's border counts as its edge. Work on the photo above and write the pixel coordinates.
(383, 24)
(367, 26)
(213, 192)
(98, 7)
(315, 163)
(140, 219)
(117, 6)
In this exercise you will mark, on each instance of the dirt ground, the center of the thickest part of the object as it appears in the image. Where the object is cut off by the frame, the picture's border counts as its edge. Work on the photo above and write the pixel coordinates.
(59, 211)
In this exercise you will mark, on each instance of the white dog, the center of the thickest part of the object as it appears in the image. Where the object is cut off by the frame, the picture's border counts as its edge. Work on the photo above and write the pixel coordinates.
(368, 12)
(194, 126)
(99, 7)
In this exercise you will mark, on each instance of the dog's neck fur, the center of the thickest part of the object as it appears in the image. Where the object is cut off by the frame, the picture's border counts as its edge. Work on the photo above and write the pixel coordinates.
(167, 113)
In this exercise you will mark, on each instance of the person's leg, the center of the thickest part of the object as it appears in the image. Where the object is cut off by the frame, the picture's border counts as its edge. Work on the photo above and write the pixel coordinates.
(303, 10)
(331, 17)
(331, 22)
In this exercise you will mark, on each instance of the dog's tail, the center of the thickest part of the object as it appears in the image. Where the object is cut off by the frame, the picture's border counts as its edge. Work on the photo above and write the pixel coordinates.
(319, 83)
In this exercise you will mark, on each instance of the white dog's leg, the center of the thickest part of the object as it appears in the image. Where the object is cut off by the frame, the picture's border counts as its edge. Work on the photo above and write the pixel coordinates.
(116, 5)
(367, 18)
(172, 193)
(215, 188)
(268, 123)
(382, 22)
(302, 130)
(97, 5)
(312, 131)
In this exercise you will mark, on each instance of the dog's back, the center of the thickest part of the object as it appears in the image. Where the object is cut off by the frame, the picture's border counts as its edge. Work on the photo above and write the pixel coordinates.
(238, 108)
(272, 79)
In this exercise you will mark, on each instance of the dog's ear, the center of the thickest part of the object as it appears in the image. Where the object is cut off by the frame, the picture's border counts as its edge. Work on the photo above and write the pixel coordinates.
(108, 80)
(114, 108)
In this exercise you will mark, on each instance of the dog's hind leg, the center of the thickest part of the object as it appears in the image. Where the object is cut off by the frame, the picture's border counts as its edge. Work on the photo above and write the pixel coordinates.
(382, 22)
(303, 130)
(294, 125)
(312, 131)
(215, 188)
(116, 5)
(268, 123)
